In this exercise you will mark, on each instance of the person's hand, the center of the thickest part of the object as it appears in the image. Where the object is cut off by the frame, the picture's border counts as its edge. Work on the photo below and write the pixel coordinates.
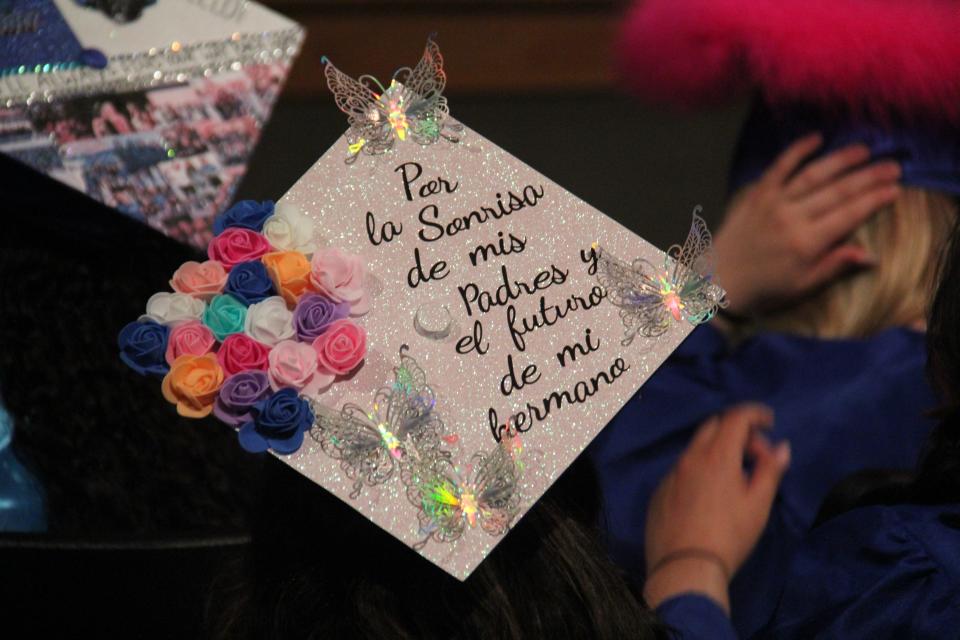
(708, 513)
(789, 233)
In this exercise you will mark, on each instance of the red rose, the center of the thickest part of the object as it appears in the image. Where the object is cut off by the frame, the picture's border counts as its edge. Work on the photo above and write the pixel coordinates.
(239, 352)
(236, 245)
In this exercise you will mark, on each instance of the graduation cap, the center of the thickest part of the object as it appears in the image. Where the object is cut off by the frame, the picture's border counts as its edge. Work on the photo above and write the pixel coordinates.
(423, 325)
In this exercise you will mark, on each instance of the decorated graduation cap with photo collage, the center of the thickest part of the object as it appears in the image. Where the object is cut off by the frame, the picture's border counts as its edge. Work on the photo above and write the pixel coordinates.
(423, 325)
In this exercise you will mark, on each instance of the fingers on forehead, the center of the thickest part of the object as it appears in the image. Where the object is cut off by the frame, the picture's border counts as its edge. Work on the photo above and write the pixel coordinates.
(844, 220)
(794, 156)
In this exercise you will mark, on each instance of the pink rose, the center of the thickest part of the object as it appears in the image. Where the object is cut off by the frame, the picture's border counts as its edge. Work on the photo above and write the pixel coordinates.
(342, 347)
(240, 352)
(190, 338)
(236, 245)
(339, 276)
(199, 279)
(294, 364)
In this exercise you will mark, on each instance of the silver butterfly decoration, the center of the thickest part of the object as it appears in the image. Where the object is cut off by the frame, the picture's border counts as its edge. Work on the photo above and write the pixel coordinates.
(372, 444)
(486, 494)
(410, 107)
(651, 298)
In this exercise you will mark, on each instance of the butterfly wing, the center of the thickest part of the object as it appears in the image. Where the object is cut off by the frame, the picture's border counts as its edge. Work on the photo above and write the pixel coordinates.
(446, 504)
(632, 288)
(692, 272)
(410, 374)
(424, 84)
(369, 126)
(423, 87)
(497, 481)
(410, 406)
(348, 436)
(427, 80)
(695, 256)
(433, 486)
(410, 418)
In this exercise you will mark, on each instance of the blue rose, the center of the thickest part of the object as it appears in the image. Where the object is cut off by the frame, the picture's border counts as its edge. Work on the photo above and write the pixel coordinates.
(279, 422)
(250, 283)
(143, 347)
(246, 214)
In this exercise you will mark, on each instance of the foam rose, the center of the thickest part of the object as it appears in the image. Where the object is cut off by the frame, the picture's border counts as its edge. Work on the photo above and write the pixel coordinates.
(199, 279)
(225, 315)
(340, 276)
(173, 308)
(289, 229)
(290, 273)
(249, 282)
(142, 345)
(269, 321)
(193, 384)
(341, 348)
(240, 352)
(239, 394)
(294, 365)
(190, 338)
(246, 214)
(315, 313)
(279, 422)
(236, 245)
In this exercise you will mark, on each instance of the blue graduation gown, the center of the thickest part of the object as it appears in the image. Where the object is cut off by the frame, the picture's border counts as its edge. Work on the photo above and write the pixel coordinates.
(844, 405)
(877, 573)
(692, 616)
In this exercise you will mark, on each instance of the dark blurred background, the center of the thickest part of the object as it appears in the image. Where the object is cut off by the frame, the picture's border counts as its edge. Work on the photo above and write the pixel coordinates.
(537, 77)
(145, 508)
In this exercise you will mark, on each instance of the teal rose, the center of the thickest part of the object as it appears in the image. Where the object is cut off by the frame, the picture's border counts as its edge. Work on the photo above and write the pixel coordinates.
(225, 315)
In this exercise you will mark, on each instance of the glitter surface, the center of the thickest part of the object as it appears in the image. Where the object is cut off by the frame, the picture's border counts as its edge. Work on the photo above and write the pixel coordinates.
(175, 41)
(437, 204)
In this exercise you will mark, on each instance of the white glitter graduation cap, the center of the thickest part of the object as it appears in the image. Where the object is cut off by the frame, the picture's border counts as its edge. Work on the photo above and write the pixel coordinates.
(488, 283)
(454, 342)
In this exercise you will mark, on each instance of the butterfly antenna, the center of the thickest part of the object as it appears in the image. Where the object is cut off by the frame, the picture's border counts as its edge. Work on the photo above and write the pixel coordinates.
(432, 36)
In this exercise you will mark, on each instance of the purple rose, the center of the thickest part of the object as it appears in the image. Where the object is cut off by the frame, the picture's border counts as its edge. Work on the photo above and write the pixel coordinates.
(238, 395)
(314, 313)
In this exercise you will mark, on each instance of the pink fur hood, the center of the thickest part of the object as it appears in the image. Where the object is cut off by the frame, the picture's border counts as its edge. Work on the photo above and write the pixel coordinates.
(876, 57)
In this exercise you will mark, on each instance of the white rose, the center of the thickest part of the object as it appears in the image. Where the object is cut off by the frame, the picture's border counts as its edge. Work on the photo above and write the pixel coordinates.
(173, 308)
(269, 321)
(290, 229)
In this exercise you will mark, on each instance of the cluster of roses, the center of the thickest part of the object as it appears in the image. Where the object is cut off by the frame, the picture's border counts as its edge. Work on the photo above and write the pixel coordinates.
(257, 329)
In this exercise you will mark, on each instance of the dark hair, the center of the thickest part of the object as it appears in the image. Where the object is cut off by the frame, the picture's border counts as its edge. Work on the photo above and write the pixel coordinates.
(319, 569)
(938, 476)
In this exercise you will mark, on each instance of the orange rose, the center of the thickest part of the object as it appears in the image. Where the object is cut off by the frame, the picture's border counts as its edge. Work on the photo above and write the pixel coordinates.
(193, 384)
(290, 272)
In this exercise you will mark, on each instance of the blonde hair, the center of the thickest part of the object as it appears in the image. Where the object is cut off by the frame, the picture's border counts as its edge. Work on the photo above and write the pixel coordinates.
(906, 238)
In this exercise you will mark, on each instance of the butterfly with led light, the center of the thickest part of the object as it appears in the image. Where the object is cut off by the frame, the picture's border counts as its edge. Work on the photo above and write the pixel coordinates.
(371, 445)
(651, 298)
(486, 494)
(411, 107)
